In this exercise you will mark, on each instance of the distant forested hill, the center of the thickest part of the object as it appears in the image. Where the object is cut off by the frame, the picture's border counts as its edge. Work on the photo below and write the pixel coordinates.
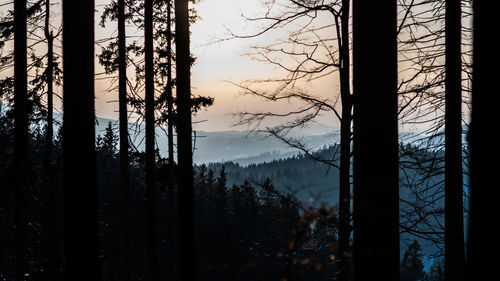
(309, 180)
(243, 147)
(315, 183)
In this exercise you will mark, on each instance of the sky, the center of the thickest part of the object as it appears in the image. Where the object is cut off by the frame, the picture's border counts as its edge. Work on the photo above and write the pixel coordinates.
(219, 62)
(227, 61)
(215, 62)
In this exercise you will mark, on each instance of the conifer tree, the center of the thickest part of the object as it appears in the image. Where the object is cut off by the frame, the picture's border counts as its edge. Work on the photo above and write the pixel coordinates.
(152, 229)
(50, 71)
(49, 36)
(20, 87)
(412, 266)
(436, 272)
(124, 145)
(109, 142)
(20, 128)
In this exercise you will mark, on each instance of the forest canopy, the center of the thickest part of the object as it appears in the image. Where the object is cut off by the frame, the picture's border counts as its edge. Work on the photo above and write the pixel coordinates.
(380, 113)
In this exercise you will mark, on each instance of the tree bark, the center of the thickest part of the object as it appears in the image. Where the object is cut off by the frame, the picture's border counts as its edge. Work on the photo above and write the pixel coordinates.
(20, 86)
(20, 129)
(484, 148)
(79, 156)
(170, 132)
(124, 159)
(345, 148)
(50, 84)
(376, 214)
(170, 102)
(52, 233)
(152, 231)
(454, 227)
(187, 241)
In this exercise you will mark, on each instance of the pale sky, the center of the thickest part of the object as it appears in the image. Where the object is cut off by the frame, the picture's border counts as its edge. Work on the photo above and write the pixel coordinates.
(216, 64)
(220, 62)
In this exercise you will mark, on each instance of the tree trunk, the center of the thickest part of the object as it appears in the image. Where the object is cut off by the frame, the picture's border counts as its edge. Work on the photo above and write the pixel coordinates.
(124, 159)
(170, 132)
(376, 214)
(187, 241)
(52, 235)
(345, 148)
(152, 232)
(484, 149)
(20, 129)
(20, 86)
(454, 228)
(50, 85)
(80, 180)
(170, 102)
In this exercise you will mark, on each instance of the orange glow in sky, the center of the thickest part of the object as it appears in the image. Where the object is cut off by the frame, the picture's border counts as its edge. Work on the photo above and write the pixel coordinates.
(219, 62)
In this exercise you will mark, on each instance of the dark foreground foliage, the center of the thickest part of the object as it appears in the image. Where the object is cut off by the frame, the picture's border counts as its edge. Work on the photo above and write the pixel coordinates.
(244, 232)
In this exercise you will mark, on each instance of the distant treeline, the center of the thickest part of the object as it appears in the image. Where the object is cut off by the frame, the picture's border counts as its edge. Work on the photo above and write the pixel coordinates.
(247, 231)
(300, 175)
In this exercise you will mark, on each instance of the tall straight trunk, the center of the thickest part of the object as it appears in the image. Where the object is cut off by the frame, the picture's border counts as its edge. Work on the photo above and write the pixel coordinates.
(52, 235)
(152, 232)
(454, 227)
(20, 128)
(484, 148)
(79, 156)
(187, 241)
(376, 214)
(170, 101)
(20, 87)
(345, 148)
(222, 238)
(124, 159)
(170, 132)
(50, 84)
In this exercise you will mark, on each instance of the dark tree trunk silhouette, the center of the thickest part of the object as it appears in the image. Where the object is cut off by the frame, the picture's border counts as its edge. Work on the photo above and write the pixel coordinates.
(79, 155)
(484, 148)
(20, 128)
(376, 214)
(152, 233)
(20, 87)
(170, 102)
(345, 147)
(187, 241)
(53, 236)
(170, 132)
(454, 228)
(124, 159)
(222, 238)
(49, 36)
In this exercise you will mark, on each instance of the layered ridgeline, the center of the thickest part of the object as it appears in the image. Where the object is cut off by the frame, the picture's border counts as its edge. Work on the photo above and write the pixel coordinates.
(256, 157)
(244, 147)
(315, 184)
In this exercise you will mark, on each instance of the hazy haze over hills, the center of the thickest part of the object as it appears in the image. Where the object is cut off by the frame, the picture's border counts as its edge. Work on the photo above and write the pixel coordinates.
(243, 147)
(240, 146)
